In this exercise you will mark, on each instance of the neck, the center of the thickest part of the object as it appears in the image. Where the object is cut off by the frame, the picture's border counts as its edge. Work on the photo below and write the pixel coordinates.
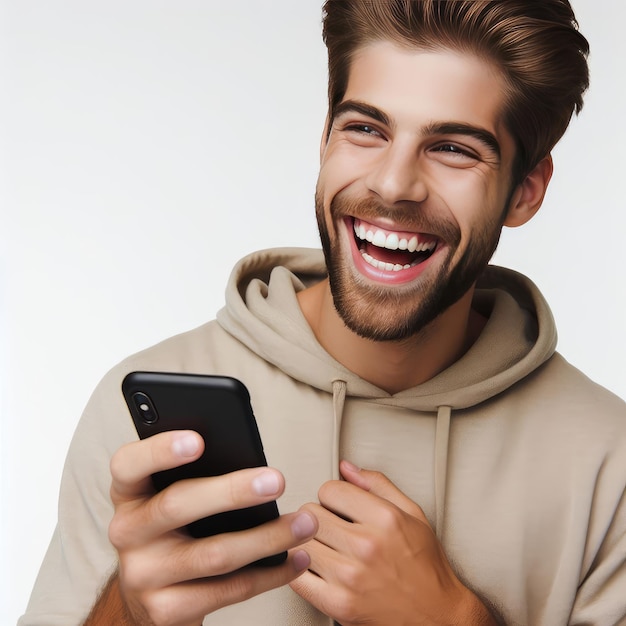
(392, 365)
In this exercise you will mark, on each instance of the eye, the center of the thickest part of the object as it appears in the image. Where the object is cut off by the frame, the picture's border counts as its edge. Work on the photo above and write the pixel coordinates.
(365, 129)
(452, 154)
(361, 134)
(454, 150)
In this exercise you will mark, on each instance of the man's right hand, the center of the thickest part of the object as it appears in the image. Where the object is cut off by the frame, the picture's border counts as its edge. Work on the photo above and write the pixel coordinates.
(166, 576)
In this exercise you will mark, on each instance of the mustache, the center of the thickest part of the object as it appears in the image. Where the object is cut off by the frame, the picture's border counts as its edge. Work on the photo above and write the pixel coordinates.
(413, 218)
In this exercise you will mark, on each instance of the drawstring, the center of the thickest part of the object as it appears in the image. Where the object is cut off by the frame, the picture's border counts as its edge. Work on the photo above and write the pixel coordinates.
(442, 435)
(339, 399)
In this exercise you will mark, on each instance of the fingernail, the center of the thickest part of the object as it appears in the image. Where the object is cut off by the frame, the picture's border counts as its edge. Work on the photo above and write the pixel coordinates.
(301, 560)
(351, 466)
(185, 444)
(266, 484)
(303, 526)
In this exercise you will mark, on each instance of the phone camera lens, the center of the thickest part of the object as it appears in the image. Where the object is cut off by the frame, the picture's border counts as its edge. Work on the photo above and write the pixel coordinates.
(145, 407)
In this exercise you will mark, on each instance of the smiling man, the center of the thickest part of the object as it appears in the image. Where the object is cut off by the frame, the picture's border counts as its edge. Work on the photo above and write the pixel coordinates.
(415, 184)
(494, 472)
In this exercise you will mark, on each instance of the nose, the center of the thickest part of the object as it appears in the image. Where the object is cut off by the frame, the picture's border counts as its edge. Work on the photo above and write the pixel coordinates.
(396, 176)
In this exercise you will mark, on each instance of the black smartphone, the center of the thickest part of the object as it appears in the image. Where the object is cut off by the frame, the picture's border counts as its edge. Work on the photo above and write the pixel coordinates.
(219, 409)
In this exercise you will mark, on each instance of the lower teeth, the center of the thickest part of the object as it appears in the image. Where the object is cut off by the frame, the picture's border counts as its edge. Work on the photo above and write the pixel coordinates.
(381, 265)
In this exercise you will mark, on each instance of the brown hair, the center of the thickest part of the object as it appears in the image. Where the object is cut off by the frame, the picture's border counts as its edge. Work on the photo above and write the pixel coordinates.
(535, 44)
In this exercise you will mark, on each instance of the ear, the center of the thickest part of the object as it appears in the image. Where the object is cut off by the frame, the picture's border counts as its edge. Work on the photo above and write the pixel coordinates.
(325, 133)
(529, 195)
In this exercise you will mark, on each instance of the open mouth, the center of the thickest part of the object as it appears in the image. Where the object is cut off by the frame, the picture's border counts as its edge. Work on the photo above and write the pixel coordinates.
(392, 251)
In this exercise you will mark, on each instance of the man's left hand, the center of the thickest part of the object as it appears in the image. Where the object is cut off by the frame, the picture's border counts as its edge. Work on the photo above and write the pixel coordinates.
(376, 559)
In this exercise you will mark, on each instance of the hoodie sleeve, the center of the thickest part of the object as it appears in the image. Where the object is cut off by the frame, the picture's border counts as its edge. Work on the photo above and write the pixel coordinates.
(601, 597)
(80, 558)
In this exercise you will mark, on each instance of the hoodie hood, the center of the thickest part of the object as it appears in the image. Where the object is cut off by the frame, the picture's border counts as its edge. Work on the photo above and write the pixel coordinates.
(262, 312)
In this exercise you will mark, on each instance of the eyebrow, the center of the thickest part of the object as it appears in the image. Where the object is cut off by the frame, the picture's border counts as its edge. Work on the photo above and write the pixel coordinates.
(487, 138)
(354, 106)
(457, 128)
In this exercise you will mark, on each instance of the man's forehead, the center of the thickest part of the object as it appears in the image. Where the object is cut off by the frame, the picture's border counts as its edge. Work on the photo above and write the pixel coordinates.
(435, 84)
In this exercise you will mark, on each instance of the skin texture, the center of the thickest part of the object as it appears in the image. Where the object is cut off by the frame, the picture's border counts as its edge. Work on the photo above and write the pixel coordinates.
(376, 560)
(391, 159)
(167, 577)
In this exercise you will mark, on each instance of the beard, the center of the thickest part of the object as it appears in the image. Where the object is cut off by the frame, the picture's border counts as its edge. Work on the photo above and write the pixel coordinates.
(397, 312)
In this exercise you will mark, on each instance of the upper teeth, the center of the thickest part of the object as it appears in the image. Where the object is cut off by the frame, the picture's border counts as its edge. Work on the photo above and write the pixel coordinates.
(392, 241)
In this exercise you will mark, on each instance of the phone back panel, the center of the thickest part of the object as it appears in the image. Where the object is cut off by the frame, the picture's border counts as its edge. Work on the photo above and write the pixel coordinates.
(219, 409)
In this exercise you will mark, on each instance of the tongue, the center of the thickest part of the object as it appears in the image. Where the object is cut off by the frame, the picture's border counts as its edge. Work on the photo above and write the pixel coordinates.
(399, 257)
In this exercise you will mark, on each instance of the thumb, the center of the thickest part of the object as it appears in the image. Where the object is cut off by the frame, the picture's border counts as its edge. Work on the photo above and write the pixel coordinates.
(379, 485)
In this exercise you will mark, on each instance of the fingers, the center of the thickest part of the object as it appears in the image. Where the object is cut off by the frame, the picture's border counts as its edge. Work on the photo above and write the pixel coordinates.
(178, 559)
(353, 503)
(188, 500)
(184, 603)
(133, 464)
(312, 588)
(379, 485)
(231, 551)
(333, 531)
(167, 574)
(147, 515)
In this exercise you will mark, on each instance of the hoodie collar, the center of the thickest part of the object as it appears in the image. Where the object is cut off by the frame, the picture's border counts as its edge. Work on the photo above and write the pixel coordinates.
(262, 312)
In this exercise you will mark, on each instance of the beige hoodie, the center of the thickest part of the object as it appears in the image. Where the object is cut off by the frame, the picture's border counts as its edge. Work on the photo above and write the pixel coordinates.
(518, 460)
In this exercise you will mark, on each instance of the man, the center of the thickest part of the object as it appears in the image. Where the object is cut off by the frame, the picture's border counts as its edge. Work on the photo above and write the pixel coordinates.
(494, 488)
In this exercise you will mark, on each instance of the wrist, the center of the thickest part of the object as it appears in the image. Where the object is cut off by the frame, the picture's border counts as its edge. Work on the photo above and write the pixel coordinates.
(473, 612)
(110, 607)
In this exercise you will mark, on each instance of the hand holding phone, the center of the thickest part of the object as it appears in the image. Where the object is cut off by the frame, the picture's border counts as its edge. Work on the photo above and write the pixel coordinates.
(164, 573)
(219, 409)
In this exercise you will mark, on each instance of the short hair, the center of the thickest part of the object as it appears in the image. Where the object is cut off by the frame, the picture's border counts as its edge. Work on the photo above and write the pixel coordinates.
(534, 43)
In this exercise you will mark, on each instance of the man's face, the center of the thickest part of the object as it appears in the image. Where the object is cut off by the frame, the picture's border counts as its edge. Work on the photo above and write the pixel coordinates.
(414, 181)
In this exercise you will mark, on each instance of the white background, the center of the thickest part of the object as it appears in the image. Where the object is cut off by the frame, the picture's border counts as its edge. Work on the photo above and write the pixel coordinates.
(146, 145)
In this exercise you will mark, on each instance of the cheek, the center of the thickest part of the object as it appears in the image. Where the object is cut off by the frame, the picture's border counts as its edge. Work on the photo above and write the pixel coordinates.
(339, 170)
(473, 200)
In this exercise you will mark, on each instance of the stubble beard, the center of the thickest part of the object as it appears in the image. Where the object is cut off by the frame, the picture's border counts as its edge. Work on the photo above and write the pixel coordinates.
(398, 312)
